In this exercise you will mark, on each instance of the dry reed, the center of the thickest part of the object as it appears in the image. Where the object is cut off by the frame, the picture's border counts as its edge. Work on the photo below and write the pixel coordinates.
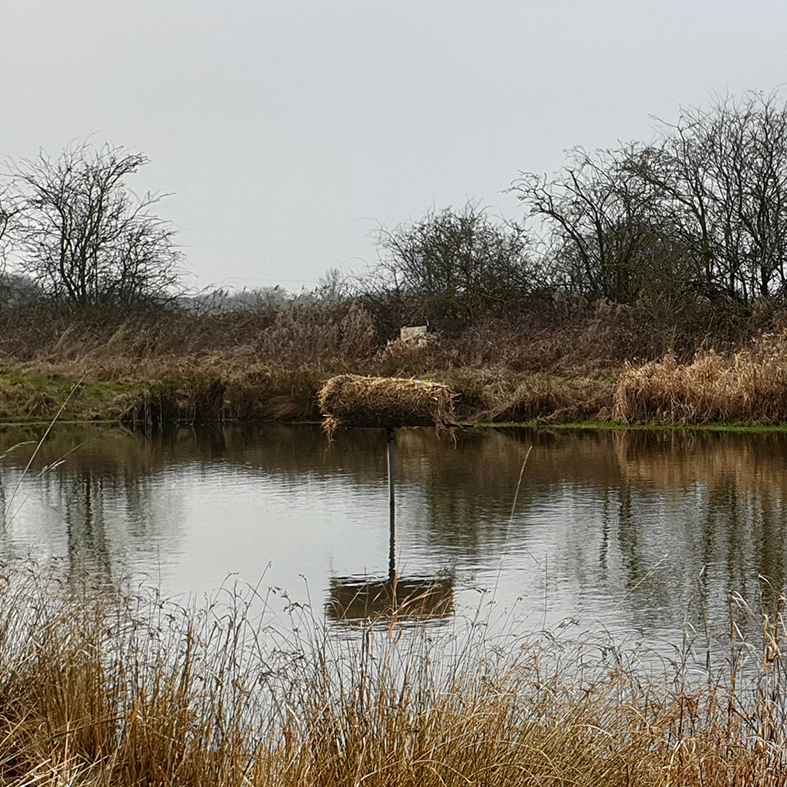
(101, 687)
(749, 386)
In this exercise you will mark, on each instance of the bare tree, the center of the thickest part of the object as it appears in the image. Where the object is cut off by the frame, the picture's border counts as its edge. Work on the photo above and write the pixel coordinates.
(8, 211)
(603, 238)
(700, 211)
(457, 263)
(719, 178)
(83, 236)
(333, 287)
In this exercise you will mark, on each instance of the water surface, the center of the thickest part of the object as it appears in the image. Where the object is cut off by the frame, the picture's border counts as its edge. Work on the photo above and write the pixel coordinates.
(640, 532)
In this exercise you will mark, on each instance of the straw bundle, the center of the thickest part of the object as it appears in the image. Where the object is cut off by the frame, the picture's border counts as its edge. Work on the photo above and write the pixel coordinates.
(389, 402)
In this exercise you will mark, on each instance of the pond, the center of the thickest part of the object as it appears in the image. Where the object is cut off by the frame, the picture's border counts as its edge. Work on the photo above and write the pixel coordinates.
(640, 532)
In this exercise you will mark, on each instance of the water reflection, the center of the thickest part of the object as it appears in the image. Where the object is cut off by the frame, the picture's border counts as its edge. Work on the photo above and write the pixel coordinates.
(356, 599)
(641, 530)
(84, 505)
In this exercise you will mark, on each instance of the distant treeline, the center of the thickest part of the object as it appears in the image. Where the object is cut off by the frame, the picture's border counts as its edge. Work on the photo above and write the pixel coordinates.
(695, 218)
(689, 229)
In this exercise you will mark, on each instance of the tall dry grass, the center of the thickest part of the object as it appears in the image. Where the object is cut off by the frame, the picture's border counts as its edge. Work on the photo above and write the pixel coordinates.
(101, 687)
(750, 385)
(306, 333)
(270, 362)
(550, 363)
(258, 364)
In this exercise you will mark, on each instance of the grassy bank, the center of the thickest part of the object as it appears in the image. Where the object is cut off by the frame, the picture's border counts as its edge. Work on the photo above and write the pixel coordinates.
(268, 362)
(596, 364)
(105, 687)
(183, 368)
(192, 390)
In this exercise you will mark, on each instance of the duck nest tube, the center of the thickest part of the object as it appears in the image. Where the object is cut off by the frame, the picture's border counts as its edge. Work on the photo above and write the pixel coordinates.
(388, 402)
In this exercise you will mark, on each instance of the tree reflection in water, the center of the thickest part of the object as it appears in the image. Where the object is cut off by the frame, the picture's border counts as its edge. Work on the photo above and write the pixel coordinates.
(84, 504)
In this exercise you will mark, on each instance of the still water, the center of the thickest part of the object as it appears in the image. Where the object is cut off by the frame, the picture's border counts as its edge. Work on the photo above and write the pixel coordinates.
(639, 532)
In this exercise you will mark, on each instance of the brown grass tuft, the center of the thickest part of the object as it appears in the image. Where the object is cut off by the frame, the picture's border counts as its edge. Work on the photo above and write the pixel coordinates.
(749, 386)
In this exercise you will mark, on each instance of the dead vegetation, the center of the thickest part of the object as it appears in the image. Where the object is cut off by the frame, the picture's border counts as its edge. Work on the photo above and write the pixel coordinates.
(100, 687)
(567, 361)
(748, 386)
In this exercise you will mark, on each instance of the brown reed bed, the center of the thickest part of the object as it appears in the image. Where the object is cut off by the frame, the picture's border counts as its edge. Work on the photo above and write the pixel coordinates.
(106, 687)
(269, 362)
(748, 386)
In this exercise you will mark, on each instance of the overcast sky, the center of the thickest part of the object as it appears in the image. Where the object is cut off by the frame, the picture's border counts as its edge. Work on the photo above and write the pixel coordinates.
(287, 131)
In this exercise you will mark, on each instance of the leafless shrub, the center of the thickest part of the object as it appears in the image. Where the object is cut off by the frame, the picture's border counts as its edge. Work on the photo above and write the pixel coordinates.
(83, 236)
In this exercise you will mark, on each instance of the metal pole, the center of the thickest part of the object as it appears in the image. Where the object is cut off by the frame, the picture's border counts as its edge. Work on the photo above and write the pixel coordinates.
(391, 437)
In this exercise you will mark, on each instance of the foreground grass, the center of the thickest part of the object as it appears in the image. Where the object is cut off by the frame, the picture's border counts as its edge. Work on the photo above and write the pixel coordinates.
(101, 687)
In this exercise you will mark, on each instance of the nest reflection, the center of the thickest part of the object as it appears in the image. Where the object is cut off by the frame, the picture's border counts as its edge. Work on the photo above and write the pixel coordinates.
(356, 599)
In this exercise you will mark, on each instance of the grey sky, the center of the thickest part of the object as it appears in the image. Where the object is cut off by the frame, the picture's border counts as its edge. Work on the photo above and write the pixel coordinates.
(287, 130)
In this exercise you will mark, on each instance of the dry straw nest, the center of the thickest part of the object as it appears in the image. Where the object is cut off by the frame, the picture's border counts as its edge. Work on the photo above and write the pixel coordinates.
(389, 402)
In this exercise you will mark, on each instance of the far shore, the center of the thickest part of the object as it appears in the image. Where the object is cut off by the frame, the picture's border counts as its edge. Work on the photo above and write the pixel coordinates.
(549, 365)
(215, 390)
